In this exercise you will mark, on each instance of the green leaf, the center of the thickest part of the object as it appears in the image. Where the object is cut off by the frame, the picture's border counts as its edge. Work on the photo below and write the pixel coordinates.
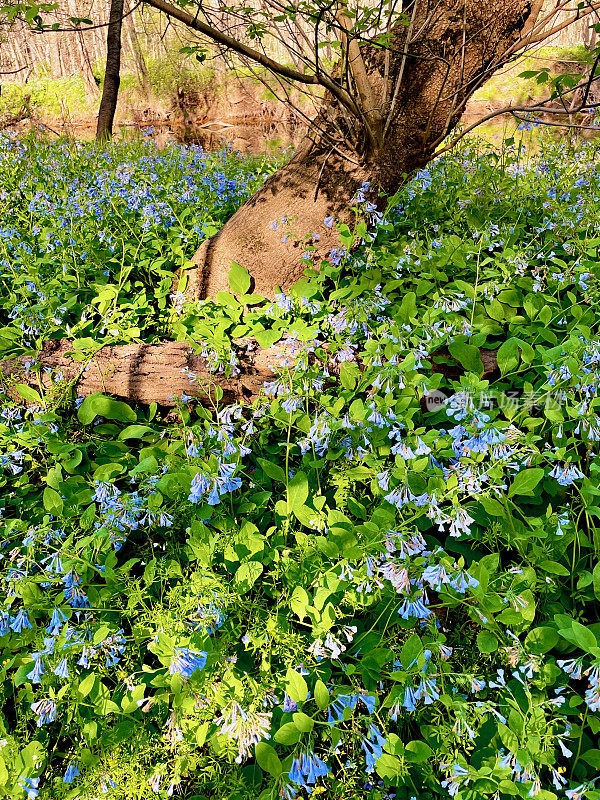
(418, 751)
(299, 601)
(411, 650)
(268, 759)
(287, 734)
(541, 640)
(303, 722)
(493, 507)
(553, 567)
(247, 575)
(583, 636)
(408, 308)
(390, 767)
(52, 502)
(274, 471)
(297, 491)
(526, 481)
(349, 373)
(508, 356)
(99, 405)
(596, 581)
(239, 279)
(135, 432)
(467, 356)
(296, 686)
(28, 393)
(487, 642)
(592, 757)
(268, 338)
(86, 685)
(321, 695)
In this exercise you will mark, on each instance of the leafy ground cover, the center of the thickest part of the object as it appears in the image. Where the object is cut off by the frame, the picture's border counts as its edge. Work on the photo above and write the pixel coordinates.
(380, 580)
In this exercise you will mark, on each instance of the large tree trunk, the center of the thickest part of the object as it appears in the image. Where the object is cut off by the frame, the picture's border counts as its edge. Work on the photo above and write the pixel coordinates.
(112, 77)
(454, 47)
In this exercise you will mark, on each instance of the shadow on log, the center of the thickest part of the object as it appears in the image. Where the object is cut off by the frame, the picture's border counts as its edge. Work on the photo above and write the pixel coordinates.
(162, 373)
(145, 373)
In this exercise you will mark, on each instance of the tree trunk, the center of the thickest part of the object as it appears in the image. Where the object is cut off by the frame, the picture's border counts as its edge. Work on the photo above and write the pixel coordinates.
(455, 47)
(139, 61)
(110, 90)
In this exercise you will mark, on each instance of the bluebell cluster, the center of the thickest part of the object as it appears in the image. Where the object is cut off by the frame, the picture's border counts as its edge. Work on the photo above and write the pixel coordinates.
(320, 552)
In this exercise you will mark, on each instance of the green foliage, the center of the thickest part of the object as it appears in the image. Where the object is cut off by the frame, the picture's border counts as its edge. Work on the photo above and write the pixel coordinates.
(400, 593)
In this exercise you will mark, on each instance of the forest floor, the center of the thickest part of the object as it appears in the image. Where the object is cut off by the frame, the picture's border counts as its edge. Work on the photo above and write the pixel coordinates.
(377, 581)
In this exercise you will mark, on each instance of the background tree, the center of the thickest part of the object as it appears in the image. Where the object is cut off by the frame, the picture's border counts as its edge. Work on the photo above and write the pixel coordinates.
(112, 75)
(394, 79)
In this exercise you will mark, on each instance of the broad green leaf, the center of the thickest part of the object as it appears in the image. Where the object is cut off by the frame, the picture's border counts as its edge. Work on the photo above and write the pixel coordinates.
(135, 432)
(583, 636)
(28, 393)
(267, 759)
(408, 308)
(411, 650)
(299, 602)
(592, 757)
(541, 640)
(99, 405)
(526, 481)
(508, 356)
(86, 685)
(247, 575)
(321, 695)
(467, 356)
(297, 491)
(390, 767)
(287, 734)
(296, 686)
(303, 722)
(596, 581)
(274, 471)
(239, 279)
(487, 642)
(418, 751)
(53, 502)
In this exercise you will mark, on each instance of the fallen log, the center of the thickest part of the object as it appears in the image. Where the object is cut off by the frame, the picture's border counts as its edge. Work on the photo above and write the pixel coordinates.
(163, 373)
(144, 373)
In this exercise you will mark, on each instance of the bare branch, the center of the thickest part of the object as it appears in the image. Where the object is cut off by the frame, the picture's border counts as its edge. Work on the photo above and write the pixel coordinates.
(255, 55)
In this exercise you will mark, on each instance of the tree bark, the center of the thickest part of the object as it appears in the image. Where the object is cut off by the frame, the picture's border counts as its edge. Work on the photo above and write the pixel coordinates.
(143, 373)
(455, 47)
(163, 373)
(112, 78)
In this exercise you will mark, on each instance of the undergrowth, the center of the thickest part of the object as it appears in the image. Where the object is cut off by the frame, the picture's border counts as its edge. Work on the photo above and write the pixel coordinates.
(380, 579)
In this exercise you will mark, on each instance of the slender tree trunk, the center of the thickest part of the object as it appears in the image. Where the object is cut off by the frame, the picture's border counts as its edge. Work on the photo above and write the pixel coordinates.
(110, 90)
(432, 80)
(85, 63)
(138, 57)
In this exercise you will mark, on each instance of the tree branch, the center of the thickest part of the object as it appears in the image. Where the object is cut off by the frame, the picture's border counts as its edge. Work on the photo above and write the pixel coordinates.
(539, 108)
(255, 55)
(372, 115)
(144, 373)
(562, 25)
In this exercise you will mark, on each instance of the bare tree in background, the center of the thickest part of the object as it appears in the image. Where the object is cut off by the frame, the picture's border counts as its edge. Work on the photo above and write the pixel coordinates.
(112, 76)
